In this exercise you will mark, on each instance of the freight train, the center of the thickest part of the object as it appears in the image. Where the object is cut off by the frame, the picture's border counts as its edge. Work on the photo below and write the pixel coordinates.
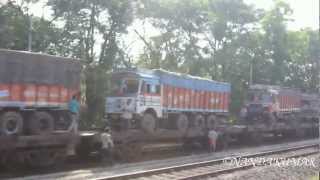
(144, 106)
(155, 105)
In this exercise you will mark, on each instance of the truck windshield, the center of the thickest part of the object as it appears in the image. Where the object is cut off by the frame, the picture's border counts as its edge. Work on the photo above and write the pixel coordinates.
(260, 96)
(124, 86)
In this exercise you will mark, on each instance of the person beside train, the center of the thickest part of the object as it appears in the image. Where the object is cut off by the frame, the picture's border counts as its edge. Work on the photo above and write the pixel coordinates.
(212, 137)
(74, 108)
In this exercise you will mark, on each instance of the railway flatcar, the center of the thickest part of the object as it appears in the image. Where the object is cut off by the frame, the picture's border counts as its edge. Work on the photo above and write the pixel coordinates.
(34, 93)
(282, 110)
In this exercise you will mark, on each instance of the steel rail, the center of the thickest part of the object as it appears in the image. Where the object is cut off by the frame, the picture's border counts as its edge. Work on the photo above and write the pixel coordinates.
(234, 169)
(191, 166)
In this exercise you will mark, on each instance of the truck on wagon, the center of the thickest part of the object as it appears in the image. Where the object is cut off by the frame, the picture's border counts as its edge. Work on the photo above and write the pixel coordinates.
(34, 93)
(281, 110)
(157, 104)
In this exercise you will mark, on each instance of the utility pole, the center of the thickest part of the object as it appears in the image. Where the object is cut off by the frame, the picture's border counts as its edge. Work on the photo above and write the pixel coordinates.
(30, 34)
(251, 73)
(318, 67)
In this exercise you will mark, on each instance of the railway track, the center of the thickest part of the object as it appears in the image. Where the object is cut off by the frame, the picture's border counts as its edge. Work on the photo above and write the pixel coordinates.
(217, 167)
(155, 167)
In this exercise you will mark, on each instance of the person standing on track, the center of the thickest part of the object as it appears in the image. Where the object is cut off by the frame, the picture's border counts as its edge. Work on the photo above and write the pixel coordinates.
(212, 137)
(74, 108)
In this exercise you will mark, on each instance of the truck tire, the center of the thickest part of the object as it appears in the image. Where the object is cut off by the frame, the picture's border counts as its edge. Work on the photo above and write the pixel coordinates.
(182, 123)
(41, 123)
(199, 122)
(211, 122)
(11, 123)
(148, 123)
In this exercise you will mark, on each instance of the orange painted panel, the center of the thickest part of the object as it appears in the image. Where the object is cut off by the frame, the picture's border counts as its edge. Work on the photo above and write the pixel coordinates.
(192, 99)
(54, 94)
(222, 101)
(29, 94)
(63, 95)
(179, 96)
(228, 101)
(214, 100)
(197, 99)
(225, 101)
(170, 96)
(209, 100)
(201, 100)
(188, 99)
(183, 102)
(211, 105)
(42, 94)
(175, 97)
(16, 92)
(220, 105)
(206, 100)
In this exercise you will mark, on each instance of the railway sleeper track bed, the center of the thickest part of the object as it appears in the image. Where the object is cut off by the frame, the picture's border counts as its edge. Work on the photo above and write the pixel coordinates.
(216, 167)
(118, 170)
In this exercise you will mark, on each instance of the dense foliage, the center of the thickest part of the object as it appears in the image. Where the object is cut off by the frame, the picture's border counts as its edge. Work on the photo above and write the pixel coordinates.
(225, 40)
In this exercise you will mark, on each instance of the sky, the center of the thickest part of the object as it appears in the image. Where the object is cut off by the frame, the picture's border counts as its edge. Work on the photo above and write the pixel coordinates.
(305, 12)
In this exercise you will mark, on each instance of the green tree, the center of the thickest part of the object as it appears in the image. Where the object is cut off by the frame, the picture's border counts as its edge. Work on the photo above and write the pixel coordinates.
(14, 29)
(177, 47)
(276, 40)
(91, 32)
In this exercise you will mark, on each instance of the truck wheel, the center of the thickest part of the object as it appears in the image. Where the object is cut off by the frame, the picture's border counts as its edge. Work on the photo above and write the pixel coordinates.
(199, 122)
(211, 122)
(11, 123)
(182, 123)
(41, 123)
(148, 123)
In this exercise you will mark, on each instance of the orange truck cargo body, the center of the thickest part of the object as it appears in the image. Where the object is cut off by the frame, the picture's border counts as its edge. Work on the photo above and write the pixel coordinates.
(289, 102)
(29, 80)
(32, 95)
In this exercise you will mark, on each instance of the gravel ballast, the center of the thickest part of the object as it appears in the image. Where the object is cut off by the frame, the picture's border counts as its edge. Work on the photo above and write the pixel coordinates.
(283, 171)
